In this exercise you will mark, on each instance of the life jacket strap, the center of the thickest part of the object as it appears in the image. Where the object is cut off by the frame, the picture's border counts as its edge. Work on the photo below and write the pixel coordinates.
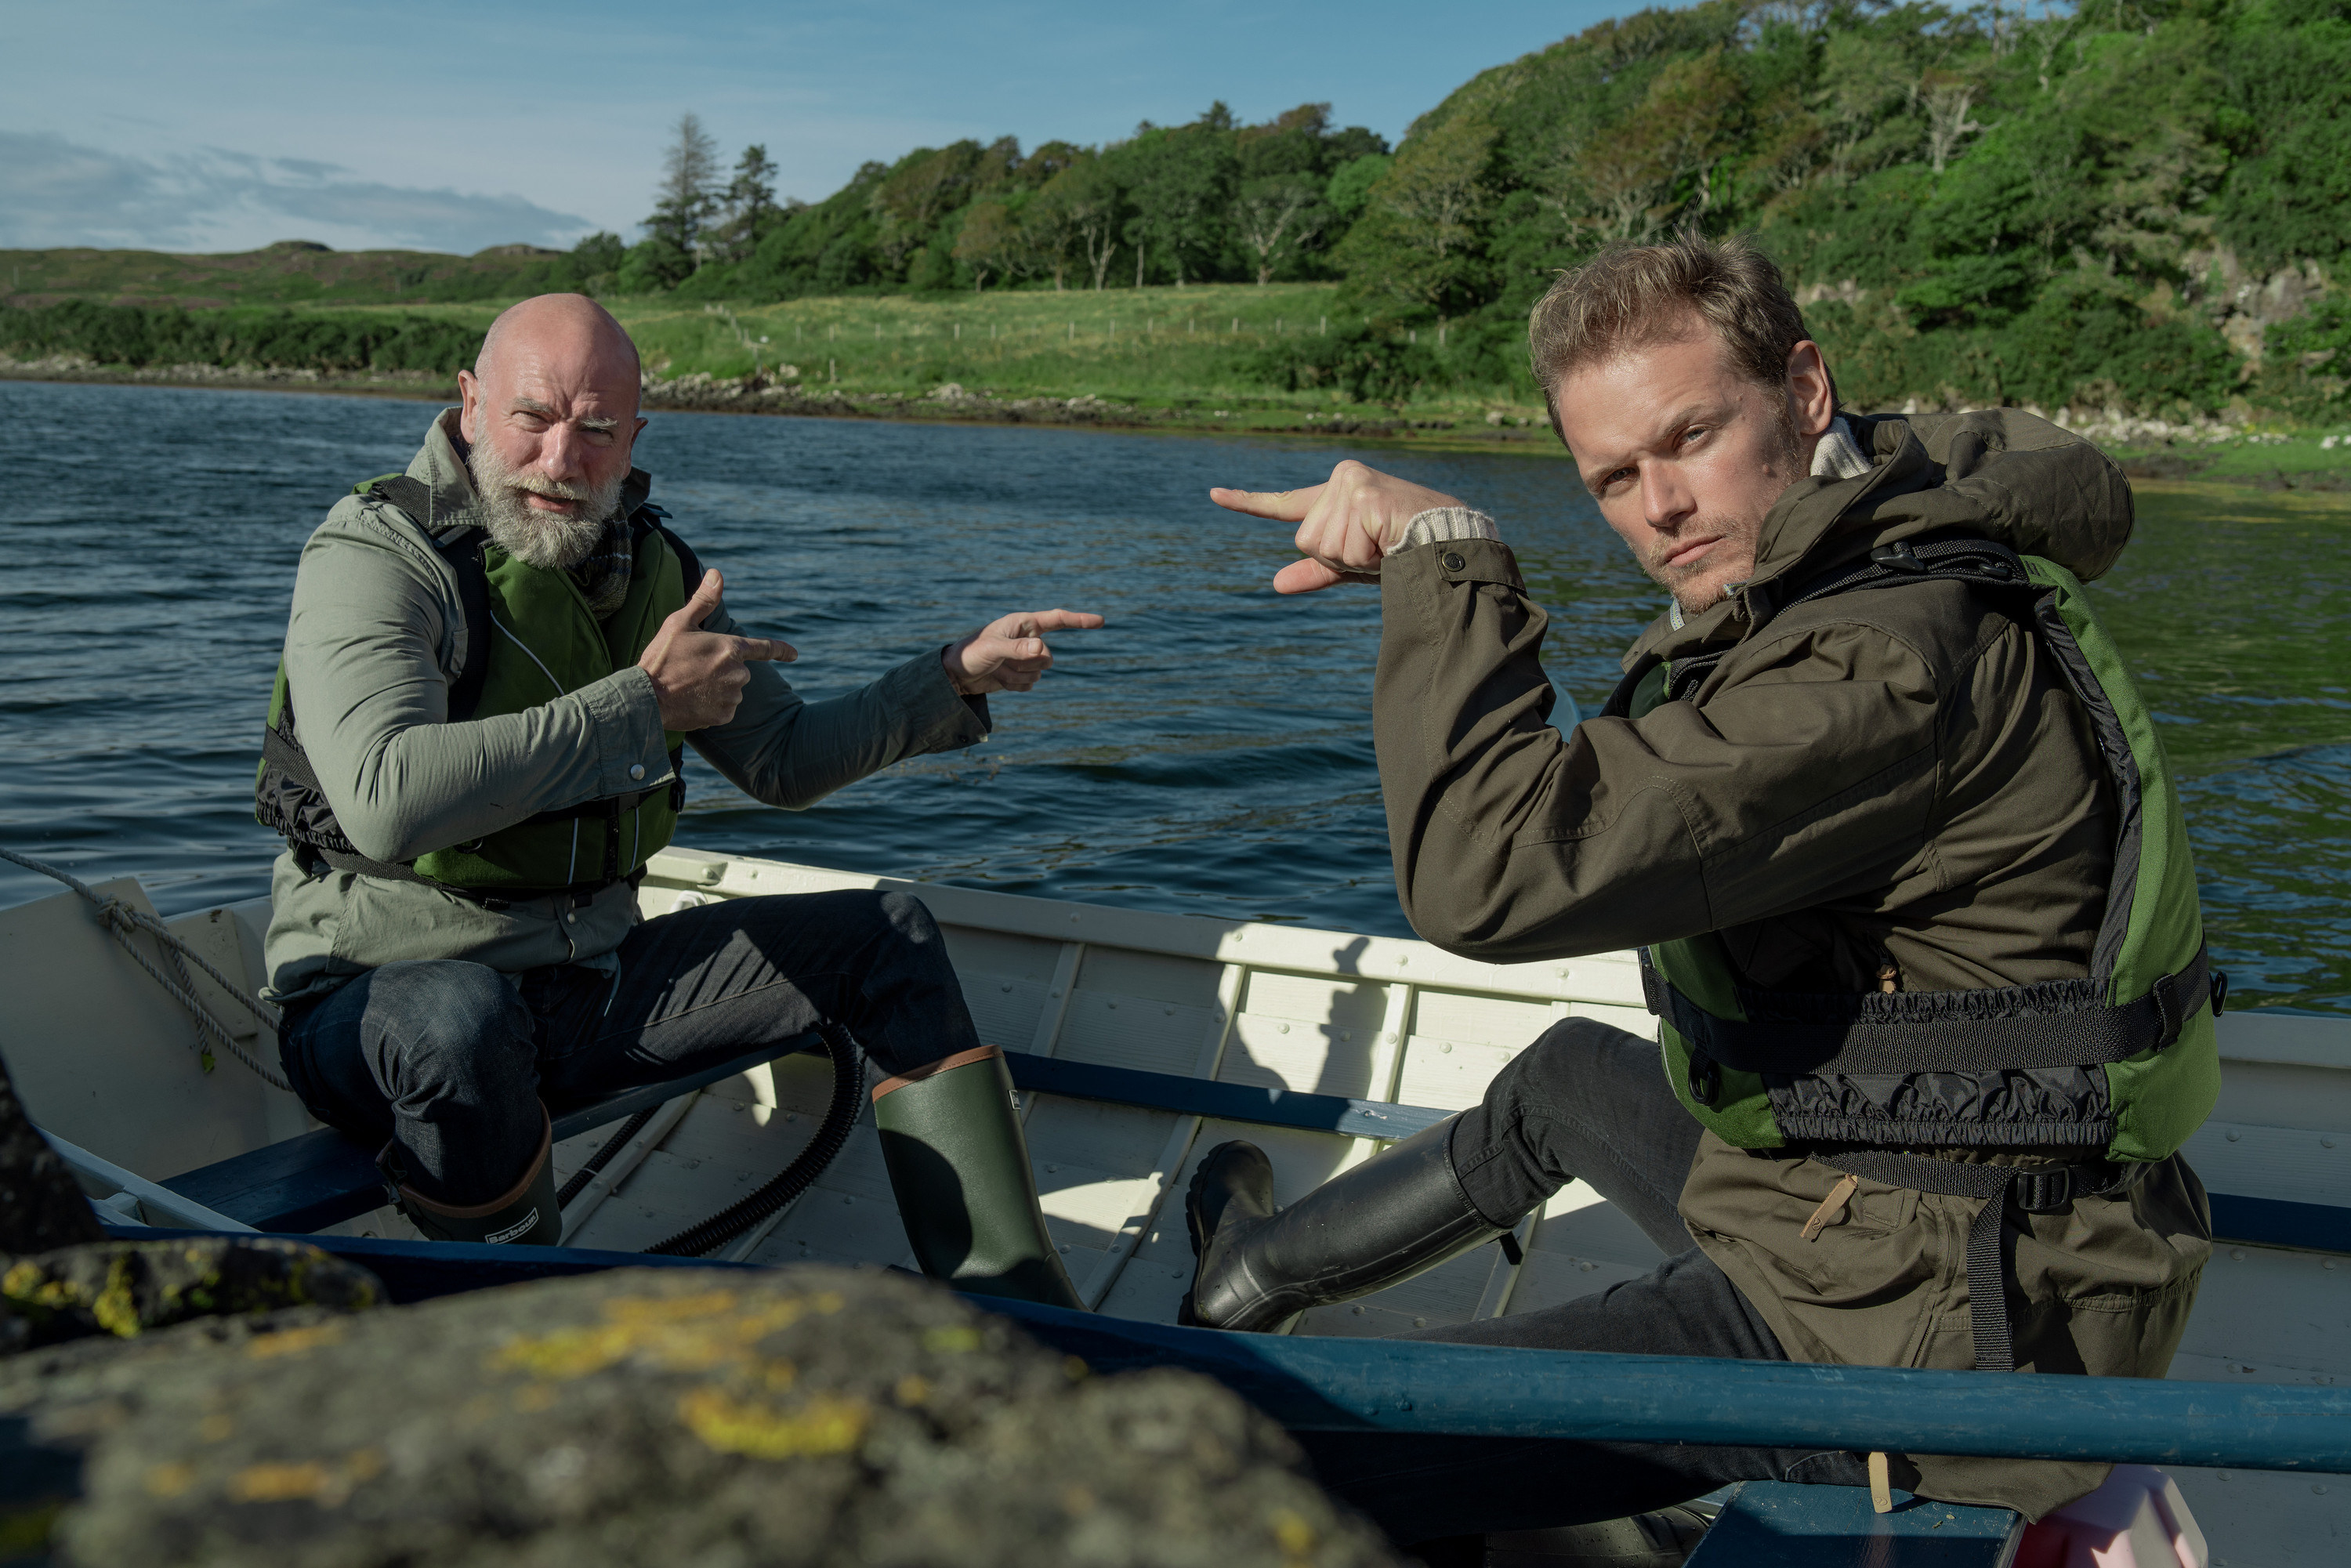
(2045, 1189)
(2058, 1023)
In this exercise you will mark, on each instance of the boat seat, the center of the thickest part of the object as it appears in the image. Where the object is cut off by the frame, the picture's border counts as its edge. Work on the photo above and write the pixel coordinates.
(321, 1178)
(1777, 1524)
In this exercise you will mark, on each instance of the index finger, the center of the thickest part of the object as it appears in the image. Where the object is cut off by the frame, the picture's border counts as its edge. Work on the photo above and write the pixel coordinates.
(750, 649)
(1281, 506)
(1062, 620)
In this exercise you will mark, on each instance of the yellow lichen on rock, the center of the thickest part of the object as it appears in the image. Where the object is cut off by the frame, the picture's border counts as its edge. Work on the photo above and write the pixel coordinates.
(824, 1425)
(1293, 1535)
(686, 1333)
(313, 1480)
(169, 1479)
(295, 1342)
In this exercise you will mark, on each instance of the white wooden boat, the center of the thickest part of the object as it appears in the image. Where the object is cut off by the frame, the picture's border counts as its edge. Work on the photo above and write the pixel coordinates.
(1307, 1020)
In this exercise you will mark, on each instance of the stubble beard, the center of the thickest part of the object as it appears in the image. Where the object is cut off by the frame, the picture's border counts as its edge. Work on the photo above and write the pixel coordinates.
(549, 541)
(1700, 585)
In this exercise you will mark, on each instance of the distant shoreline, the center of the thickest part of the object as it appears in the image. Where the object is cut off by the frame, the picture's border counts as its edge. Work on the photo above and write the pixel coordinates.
(700, 394)
(704, 394)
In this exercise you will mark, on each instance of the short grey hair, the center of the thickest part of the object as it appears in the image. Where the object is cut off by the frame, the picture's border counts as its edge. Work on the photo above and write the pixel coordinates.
(1631, 295)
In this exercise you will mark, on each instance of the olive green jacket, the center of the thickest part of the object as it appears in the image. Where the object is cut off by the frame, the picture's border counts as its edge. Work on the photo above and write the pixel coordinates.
(1879, 779)
(377, 635)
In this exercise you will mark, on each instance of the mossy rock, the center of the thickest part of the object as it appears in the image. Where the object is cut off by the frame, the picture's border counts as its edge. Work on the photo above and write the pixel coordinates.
(690, 1418)
(125, 1287)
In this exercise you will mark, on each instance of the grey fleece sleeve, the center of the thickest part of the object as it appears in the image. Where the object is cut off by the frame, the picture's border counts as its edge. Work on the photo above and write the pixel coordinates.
(372, 618)
(783, 750)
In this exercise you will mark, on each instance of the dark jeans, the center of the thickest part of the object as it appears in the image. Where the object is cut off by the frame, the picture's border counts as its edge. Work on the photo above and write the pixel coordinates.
(1588, 1101)
(451, 1060)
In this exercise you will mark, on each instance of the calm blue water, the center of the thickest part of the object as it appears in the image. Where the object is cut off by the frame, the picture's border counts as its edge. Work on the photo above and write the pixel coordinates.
(1209, 752)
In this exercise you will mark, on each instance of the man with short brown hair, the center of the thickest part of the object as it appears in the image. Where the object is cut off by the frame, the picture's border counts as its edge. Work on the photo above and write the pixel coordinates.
(1879, 805)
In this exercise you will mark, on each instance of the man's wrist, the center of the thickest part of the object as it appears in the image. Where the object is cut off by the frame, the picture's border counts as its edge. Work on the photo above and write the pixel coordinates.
(962, 687)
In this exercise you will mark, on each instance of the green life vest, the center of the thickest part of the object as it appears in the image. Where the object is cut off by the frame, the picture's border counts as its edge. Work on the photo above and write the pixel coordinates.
(529, 639)
(2132, 1039)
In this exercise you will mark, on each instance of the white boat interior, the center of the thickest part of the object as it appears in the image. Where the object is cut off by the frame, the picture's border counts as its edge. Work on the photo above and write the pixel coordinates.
(108, 1065)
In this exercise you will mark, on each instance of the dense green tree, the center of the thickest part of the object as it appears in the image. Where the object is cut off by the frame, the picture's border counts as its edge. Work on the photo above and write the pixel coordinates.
(1179, 183)
(748, 206)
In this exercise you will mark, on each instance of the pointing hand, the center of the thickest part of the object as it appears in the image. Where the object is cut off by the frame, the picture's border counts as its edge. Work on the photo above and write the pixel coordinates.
(1009, 655)
(699, 675)
(1345, 524)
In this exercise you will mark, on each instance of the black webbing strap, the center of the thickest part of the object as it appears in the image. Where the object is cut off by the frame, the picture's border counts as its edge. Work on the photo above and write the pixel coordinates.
(461, 547)
(2059, 1023)
(2048, 1189)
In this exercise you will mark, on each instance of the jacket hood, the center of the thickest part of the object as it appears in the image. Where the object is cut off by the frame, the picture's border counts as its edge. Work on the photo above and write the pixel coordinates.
(1999, 474)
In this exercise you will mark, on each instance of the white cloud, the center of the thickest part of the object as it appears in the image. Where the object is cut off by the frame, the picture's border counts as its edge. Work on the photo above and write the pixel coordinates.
(57, 192)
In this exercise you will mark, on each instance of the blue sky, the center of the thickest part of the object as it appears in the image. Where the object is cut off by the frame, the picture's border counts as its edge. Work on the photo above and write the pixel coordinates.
(227, 124)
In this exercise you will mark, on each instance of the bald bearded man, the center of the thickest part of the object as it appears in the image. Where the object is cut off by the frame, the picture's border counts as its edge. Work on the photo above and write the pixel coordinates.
(497, 659)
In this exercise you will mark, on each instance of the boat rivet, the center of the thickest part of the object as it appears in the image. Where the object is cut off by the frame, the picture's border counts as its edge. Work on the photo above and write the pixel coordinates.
(1346, 1034)
(1285, 1029)
(1052, 1170)
(2234, 1135)
(1418, 1323)
(1007, 985)
(2238, 1254)
(2319, 1490)
(1113, 1007)
(847, 1202)
(1065, 1247)
(1357, 1310)
(1057, 993)
(2325, 1142)
(1073, 920)
(1447, 1048)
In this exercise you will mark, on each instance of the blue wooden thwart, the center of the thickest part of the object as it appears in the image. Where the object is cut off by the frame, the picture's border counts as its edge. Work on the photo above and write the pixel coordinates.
(1330, 1384)
(1772, 1524)
(321, 1178)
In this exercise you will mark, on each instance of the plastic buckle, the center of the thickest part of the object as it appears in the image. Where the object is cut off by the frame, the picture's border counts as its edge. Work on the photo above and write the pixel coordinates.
(2042, 1192)
(1897, 557)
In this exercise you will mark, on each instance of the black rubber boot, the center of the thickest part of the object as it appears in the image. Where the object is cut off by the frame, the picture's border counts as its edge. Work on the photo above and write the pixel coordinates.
(526, 1215)
(959, 1166)
(1394, 1216)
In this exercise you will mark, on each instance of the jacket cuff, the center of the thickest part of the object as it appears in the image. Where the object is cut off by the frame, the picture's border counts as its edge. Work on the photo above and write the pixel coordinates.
(937, 716)
(1457, 560)
(1446, 525)
(631, 747)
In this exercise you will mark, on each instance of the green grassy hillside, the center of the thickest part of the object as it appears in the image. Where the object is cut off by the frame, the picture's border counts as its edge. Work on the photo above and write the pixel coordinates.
(291, 272)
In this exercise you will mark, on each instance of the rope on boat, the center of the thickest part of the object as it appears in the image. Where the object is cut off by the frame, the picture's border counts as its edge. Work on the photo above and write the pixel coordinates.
(121, 920)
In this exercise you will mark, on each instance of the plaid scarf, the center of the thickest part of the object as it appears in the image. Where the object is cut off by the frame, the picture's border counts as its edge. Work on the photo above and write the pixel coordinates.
(603, 576)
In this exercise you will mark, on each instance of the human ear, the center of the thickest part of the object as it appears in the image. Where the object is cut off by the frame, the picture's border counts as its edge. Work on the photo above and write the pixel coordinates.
(1812, 397)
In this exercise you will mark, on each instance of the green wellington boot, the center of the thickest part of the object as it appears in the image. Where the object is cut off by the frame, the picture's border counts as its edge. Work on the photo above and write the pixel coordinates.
(960, 1168)
(526, 1215)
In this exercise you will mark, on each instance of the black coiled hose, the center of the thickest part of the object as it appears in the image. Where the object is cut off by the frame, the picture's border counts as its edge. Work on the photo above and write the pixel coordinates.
(831, 1136)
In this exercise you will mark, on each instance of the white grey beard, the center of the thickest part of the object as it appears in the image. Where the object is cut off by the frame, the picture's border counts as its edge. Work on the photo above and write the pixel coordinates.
(548, 540)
